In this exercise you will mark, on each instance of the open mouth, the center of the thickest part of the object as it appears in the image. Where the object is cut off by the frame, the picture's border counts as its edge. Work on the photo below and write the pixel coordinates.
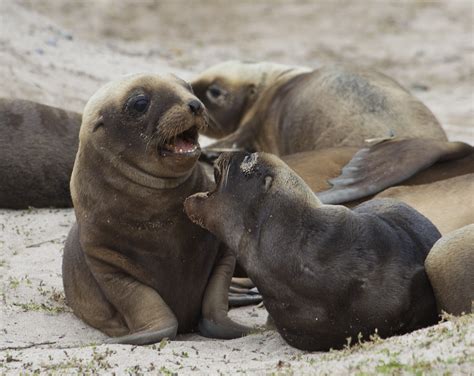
(185, 143)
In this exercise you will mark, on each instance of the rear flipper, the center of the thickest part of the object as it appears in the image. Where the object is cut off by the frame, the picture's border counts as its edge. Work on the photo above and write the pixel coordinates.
(145, 337)
(242, 292)
(242, 299)
(387, 163)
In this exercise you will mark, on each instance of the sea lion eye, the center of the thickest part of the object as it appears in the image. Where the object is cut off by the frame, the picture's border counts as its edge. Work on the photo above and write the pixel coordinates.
(139, 103)
(214, 91)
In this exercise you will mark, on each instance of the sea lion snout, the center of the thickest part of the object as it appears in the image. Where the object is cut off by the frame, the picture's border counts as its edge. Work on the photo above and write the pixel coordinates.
(177, 130)
(195, 106)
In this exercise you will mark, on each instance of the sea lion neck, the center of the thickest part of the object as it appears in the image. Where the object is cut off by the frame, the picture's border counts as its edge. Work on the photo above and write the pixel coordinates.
(259, 118)
(147, 180)
(128, 172)
(276, 80)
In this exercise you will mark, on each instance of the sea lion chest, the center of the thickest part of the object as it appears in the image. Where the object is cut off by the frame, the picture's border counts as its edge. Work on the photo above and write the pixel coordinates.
(152, 240)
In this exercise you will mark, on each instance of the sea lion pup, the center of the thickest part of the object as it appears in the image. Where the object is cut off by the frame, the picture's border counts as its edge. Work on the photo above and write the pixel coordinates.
(450, 269)
(134, 265)
(283, 110)
(37, 149)
(325, 272)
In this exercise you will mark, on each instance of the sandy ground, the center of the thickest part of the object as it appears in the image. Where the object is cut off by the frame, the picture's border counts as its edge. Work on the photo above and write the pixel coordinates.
(59, 53)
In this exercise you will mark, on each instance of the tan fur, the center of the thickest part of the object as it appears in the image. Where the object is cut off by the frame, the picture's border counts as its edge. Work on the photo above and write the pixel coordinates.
(450, 268)
(284, 110)
(449, 203)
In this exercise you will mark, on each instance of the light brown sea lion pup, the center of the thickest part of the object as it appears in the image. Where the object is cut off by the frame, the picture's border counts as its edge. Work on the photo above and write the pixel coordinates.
(283, 110)
(450, 269)
(37, 149)
(135, 267)
(325, 272)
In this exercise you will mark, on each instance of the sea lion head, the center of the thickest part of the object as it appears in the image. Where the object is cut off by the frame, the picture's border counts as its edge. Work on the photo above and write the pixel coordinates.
(251, 188)
(229, 90)
(146, 122)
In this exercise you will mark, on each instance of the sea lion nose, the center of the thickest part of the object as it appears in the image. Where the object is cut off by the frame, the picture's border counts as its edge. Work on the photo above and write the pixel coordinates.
(195, 106)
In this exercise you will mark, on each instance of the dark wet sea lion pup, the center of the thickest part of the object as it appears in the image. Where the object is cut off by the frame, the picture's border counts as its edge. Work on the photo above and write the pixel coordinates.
(135, 267)
(38, 144)
(326, 272)
(283, 110)
(450, 268)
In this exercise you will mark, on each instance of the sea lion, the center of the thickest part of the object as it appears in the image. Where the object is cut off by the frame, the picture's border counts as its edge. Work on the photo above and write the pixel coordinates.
(325, 272)
(283, 110)
(135, 267)
(412, 161)
(37, 149)
(420, 169)
(448, 203)
(450, 269)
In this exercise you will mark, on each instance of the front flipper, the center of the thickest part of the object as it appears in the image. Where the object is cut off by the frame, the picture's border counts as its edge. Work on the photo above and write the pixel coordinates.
(146, 315)
(387, 163)
(145, 337)
(215, 322)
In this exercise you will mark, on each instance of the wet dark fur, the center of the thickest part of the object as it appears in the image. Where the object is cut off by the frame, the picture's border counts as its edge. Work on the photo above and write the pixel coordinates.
(325, 272)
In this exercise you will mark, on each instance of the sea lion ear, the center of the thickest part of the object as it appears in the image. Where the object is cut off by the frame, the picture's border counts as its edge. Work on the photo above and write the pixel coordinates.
(268, 182)
(387, 163)
(252, 91)
(97, 123)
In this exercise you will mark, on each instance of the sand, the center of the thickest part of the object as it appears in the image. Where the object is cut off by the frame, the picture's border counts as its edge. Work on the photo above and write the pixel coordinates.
(59, 53)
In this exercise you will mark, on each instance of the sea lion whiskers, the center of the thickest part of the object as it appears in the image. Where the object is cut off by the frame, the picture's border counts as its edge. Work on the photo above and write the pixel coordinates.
(179, 125)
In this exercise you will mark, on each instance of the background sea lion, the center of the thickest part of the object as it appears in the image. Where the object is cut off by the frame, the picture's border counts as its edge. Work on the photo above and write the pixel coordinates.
(134, 266)
(283, 110)
(326, 272)
(424, 169)
(37, 149)
(450, 268)
(448, 203)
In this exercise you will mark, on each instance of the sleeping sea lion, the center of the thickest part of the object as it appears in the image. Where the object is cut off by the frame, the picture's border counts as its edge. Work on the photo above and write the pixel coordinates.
(325, 272)
(135, 267)
(283, 110)
(38, 144)
(450, 269)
